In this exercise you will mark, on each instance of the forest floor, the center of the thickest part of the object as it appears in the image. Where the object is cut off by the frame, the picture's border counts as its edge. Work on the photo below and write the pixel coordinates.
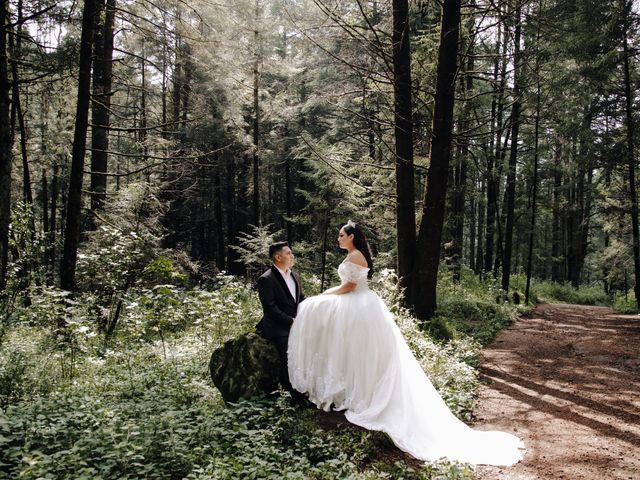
(565, 379)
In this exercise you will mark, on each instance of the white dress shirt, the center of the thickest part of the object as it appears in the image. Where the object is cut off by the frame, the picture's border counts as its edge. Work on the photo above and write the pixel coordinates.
(288, 279)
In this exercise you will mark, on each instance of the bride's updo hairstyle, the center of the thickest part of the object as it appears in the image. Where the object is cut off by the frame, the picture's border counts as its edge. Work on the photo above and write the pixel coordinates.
(360, 242)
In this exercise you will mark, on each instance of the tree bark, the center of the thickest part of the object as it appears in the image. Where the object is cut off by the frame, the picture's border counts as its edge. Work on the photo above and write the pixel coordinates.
(511, 173)
(580, 203)
(45, 217)
(74, 196)
(430, 233)
(102, 80)
(481, 209)
(231, 204)
(142, 137)
(16, 51)
(176, 93)
(5, 145)
(473, 226)
(631, 163)
(404, 171)
(187, 70)
(218, 219)
(556, 234)
(534, 193)
(288, 197)
(54, 220)
(460, 171)
(256, 120)
(494, 154)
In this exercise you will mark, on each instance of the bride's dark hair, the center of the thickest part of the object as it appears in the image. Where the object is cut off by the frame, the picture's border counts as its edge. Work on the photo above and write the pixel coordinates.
(360, 242)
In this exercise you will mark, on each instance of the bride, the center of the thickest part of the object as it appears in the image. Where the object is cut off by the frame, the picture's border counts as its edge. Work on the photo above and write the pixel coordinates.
(345, 350)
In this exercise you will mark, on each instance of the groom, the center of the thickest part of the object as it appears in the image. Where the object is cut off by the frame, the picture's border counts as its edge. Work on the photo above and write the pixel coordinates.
(280, 293)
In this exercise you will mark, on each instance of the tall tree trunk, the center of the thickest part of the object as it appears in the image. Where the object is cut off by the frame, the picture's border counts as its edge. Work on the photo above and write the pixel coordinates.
(473, 225)
(231, 204)
(256, 118)
(51, 246)
(567, 219)
(460, 171)
(430, 234)
(586, 218)
(187, 70)
(164, 82)
(556, 234)
(240, 211)
(511, 173)
(631, 163)
(5, 145)
(74, 196)
(403, 118)
(288, 196)
(580, 200)
(501, 144)
(534, 193)
(460, 179)
(144, 148)
(102, 80)
(176, 94)
(481, 209)
(16, 52)
(494, 148)
(256, 139)
(45, 213)
(218, 221)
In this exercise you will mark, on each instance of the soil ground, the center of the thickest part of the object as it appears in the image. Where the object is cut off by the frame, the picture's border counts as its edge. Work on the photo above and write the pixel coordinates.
(565, 379)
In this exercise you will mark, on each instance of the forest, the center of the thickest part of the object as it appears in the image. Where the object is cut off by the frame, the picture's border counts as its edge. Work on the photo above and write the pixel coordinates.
(151, 150)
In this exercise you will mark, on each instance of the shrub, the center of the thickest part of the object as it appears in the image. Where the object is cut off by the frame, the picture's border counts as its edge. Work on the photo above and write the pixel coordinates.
(625, 303)
(162, 270)
(565, 293)
(479, 318)
(142, 405)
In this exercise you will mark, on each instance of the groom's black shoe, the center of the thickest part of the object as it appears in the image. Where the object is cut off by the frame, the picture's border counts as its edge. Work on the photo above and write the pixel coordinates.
(303, 403)
(300, 400)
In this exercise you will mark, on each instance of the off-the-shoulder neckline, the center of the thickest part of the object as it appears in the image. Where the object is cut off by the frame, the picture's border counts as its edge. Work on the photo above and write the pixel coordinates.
(351, 263)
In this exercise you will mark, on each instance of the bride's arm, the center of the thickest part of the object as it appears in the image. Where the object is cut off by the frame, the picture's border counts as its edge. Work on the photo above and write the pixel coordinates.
(344, 288)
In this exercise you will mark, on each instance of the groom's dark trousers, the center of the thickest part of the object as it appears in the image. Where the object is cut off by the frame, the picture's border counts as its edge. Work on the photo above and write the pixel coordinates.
(280, 309)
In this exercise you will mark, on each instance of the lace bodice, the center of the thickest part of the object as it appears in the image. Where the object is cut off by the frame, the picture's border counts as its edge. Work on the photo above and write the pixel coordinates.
(350, 272)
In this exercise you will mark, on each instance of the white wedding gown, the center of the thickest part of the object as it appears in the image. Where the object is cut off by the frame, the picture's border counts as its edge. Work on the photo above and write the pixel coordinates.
(346, 350)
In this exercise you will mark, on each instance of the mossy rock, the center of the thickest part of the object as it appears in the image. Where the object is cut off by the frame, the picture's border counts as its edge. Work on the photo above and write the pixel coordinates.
(245, 367)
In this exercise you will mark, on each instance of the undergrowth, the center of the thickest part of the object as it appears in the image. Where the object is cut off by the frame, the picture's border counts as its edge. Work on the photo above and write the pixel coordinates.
(112, 382)
(553, 292)
(625, 303)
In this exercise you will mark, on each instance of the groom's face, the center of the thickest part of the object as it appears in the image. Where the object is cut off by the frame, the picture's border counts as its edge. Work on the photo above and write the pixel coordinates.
(285, 257)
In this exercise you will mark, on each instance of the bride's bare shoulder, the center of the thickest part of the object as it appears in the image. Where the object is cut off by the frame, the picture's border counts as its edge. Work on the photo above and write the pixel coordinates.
(357, 257)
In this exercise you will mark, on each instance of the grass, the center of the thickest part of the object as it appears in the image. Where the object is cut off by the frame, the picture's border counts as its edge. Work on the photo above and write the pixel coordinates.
(553, 292)
(143, 405)
(625, 303)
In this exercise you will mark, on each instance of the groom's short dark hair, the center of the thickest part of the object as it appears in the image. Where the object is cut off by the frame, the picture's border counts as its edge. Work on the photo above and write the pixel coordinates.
(276, 247)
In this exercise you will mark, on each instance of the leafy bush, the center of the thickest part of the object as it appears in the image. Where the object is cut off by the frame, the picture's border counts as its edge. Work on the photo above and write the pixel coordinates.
(115, 426)
(134, 415)
(565, 293)
(162, 270)
(253, 250)
(478, 318)
(230, 309)
(625, 303)
(142, 404)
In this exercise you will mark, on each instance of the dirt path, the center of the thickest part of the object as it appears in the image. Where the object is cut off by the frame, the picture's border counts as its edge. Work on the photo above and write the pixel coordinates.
(566, 379)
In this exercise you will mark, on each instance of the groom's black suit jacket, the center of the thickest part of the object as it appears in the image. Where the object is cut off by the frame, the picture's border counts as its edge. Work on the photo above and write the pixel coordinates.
(280, 308)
